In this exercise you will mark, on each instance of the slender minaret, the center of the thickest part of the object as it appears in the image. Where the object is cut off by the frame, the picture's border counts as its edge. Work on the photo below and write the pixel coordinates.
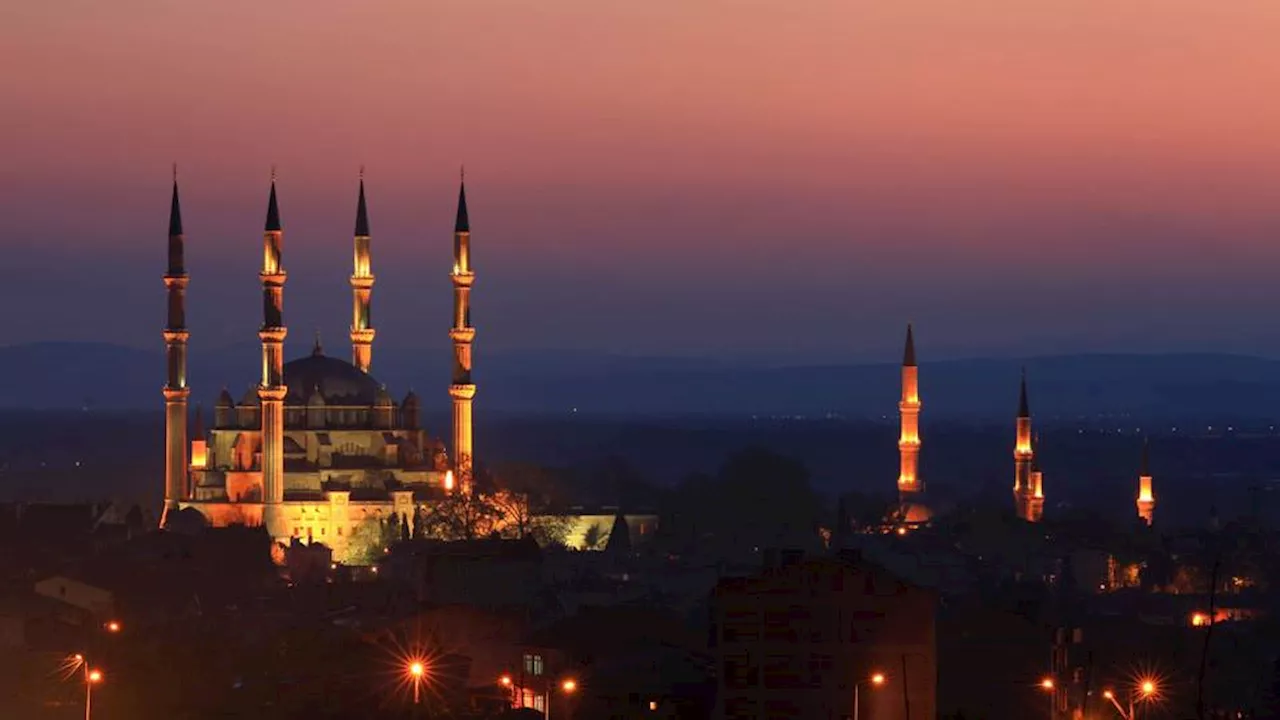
(462, 390)
(1146, 493)
(909, 483)
(272, 390)
(1023, 485)
(176, 391)
(1035, 498)
(362, 331)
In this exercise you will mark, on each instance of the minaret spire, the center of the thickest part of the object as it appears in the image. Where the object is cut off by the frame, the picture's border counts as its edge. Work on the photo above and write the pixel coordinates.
(462, 389)
(910, 486)
(272, 390)
(1028, 490)
(176, 391)
(362, 332)
(1146, 490)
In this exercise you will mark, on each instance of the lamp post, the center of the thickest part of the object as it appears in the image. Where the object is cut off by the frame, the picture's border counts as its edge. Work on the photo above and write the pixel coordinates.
(875, 680)
(1145, 690)
(416, 671)
(1049, 687)
(92, 676)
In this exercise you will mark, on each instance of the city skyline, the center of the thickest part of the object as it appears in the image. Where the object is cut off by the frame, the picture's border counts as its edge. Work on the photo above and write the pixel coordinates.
(710, 181)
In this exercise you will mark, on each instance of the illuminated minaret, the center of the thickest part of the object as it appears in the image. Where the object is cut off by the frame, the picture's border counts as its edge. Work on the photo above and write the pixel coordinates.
(362, 331)
(176, 391)
(909, 482)
(462, 390)
(272, 391)
(1146, 493)
(1023, 484)
(1035, 499)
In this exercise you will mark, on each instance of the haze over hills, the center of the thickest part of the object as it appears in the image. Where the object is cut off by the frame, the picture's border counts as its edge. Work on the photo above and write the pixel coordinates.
(1174, 386)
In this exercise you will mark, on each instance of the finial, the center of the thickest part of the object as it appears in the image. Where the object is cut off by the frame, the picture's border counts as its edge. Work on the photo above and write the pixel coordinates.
(462, 173)
(175, 173)
(361, 172)
(909, 353)
(317, 350)
(273, 172)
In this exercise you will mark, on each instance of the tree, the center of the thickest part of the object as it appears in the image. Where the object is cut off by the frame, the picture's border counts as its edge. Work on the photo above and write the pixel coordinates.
(366, 544)
(404, 528)
(419, 522)
(593, 538)
(461, 515)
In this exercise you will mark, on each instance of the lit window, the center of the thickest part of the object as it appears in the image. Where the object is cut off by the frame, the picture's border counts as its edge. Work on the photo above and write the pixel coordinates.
(533, 665)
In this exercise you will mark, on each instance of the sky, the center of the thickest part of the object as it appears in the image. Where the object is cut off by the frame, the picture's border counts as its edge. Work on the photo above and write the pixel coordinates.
(790, 180)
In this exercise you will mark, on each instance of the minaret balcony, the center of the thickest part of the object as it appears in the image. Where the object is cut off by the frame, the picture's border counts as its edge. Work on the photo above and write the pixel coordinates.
(177, 394)
(176, 336)
(273, 279)
(462, 335)
(364, 336)
(462, 392)
(362, 282)
(462, 279)
(273, 334)
(176, 281)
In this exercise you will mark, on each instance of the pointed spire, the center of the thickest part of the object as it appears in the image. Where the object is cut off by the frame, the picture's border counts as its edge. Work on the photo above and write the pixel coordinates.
(273, 211)
(317, 350)
(909, 355)
(462, 223)
(1145, 469)
(1023, 408)
(362, 215)
(175, 211)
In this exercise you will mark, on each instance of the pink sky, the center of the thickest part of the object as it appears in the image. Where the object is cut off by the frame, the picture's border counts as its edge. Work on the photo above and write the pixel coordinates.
(683, 176)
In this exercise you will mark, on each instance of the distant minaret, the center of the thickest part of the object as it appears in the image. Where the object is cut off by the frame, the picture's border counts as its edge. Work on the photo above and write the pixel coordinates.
(1146, 493)
(1023, 455)
(1035, 500)
(272, 391)
(462, 390)
(176, 391)
(909, 482)
(362, 331)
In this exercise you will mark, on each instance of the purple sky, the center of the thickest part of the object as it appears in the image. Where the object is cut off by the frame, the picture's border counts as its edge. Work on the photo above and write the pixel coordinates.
(735, 178)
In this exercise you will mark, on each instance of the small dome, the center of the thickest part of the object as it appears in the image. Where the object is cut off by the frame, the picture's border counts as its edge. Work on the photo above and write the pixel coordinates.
(411, 398)
(316, 398)
(340, 382)
(250, 397)
(384, 397)
(225, 400)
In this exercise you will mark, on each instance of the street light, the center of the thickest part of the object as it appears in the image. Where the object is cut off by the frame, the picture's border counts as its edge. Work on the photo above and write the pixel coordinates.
(416, 670)
(91, 678)
(875, 679)
(1048, 685)
(1145, 690)
(113, 626)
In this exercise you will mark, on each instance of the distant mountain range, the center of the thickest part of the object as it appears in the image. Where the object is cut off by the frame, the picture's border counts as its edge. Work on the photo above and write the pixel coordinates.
(105, 376)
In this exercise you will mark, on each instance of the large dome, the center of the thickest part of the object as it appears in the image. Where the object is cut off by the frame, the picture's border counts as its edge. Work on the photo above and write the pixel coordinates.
(340, 382)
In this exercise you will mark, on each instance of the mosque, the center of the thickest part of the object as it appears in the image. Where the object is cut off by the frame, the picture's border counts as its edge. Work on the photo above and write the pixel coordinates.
(1028, 480)
(320, 447)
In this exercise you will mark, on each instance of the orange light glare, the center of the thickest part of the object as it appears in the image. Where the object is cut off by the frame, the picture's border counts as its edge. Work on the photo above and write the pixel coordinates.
(1199, 619)
(1047, 683)
(1148, 687)
(113, 626)
(1108, 694)
(416, 669)
(877, 679)
(569, 685)
(95, 676)
(448, 480)
(505, 680)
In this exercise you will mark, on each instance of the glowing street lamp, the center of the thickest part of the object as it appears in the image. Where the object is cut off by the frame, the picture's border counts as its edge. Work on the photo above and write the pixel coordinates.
(569, 685)
(875, 679)
(1145, 690)
(416, 671)
(91, 678)
(113, 626)
(1048, 685)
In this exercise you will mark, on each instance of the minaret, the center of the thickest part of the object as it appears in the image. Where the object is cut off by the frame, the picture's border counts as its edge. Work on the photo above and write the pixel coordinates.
(462, 390)
(176, 391)
(909, 483)
(1023, 484)
(1035, 499)
(1146, 493)
(272, 390)
(362, 331)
